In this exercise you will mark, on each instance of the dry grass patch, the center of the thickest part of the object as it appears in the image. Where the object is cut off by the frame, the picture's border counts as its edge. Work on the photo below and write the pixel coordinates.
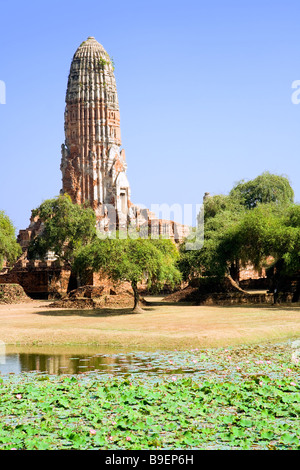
(161, 325)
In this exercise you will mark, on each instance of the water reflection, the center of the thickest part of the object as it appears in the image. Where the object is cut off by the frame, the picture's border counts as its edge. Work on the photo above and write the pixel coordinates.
(57, 364)
(10, 364)
(203, 363)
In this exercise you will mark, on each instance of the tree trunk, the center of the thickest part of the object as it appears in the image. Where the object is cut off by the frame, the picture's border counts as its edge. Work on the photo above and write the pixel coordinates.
(235, 285)
(137, 308)
(296, 295)
(235, 271)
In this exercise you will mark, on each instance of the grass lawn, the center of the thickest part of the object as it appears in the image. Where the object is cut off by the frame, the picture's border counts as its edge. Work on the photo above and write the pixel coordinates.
(163, 326)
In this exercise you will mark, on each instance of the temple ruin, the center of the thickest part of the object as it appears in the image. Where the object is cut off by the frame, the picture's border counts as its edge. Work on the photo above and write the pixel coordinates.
(93, 167)
(93, 164)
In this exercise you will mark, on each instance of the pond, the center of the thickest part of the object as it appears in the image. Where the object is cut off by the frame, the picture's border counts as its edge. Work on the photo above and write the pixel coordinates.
(215, 362)
(120, 363)
(244, 397)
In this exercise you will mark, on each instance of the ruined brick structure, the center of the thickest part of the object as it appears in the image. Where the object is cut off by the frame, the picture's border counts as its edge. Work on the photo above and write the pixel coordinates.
(93, 167)
(93, 164)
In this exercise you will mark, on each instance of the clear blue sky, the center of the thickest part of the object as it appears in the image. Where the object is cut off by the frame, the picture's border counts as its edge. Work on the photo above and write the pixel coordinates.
(204, 89)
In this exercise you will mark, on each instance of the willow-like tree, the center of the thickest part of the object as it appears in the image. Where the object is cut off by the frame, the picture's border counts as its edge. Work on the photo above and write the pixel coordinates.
(266, 231)
(246, 226)
(151, 261)
(264, 189)
(9, 248)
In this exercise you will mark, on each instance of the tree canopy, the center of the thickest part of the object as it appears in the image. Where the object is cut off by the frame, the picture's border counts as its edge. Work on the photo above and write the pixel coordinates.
(256, 220)
(9, 248)
(151, 261)
(265, 188)
(66, 228)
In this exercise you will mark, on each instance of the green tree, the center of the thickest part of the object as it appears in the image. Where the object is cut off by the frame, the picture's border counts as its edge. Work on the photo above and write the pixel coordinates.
(246, 226)
(9, 248)
(152, 261)
(265, 188)
(259, 233)
(221, 214)
(266, 231)
(251, 238)
(220, 203)
(288, 242)
(66, 228)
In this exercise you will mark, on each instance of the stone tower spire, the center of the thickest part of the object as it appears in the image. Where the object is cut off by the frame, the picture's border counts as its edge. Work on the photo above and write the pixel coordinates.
(93, 165)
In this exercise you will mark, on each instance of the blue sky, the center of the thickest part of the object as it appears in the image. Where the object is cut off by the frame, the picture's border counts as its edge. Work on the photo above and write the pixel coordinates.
(204, 90)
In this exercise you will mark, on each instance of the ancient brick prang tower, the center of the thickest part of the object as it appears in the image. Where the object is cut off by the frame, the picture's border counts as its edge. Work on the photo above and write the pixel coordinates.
(93, 165)
(93, 171)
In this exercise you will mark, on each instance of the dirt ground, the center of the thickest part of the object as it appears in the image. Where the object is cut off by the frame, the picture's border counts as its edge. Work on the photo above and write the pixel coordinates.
(161, 326)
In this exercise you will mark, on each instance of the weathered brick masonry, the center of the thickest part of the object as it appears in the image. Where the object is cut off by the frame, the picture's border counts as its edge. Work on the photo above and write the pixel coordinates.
(93, 167)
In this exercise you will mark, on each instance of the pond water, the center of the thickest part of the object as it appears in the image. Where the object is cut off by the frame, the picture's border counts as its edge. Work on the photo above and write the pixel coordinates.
(74, 364)
(216, 362)
(121, 363)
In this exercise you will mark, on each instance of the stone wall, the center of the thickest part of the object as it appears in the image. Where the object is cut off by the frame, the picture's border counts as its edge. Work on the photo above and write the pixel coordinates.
(249, 272)
(240, 298)
(234, 298)
(194, 296)
(39, 279)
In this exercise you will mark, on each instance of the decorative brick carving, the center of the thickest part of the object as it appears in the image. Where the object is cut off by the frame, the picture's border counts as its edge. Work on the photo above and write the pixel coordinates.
(92, 164)
(93, 167)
